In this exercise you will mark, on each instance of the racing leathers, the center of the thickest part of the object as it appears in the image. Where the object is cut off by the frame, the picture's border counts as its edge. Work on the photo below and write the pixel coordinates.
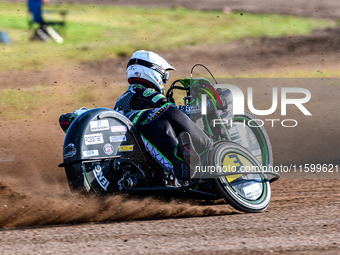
(160, 124)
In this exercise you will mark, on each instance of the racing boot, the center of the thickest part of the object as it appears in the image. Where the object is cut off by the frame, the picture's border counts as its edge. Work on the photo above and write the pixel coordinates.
(186, 158)
(181, 170)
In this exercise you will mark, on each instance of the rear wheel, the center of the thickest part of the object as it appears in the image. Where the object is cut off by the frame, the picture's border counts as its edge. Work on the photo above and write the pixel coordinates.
(247, 192)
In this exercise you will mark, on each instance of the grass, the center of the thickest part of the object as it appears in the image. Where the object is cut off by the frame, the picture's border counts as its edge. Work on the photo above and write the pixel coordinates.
(19, 104)
(100, 32)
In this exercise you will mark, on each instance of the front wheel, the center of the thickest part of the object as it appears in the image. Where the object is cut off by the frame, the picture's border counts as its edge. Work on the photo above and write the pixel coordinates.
(247, 192)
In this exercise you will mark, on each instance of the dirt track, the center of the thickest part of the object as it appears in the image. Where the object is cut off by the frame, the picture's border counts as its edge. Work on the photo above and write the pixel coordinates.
(301, 219)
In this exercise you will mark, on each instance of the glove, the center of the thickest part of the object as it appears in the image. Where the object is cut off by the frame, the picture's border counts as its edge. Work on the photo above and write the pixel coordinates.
(66, 119)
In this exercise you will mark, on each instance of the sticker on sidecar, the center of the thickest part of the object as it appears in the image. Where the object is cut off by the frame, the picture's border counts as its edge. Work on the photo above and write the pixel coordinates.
(94, 139)
(117, 138)
(118, 129)
(99, 125)
(126, 148)
(98, 173)
(90, 153)
(70, 150)
(108, 149)
(252, 190)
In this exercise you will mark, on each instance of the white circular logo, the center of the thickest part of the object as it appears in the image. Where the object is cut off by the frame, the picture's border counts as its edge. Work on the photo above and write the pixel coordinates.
(108, 149)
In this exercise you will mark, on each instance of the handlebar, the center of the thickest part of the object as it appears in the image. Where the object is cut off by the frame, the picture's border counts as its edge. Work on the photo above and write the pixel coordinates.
(169, 93)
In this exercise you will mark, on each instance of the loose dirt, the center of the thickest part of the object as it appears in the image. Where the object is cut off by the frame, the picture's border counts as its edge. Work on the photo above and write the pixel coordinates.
(39, 215)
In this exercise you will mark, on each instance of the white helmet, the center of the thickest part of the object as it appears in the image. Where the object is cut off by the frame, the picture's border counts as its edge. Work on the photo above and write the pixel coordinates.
(149, 69)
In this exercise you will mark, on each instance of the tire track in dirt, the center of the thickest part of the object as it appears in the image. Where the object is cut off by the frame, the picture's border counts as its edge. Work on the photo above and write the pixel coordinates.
(35, 191)
(297, 222)
(24, 210)
(301, 219)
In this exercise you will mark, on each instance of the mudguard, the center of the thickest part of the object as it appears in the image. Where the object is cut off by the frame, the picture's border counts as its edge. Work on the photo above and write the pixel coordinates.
(94, 139)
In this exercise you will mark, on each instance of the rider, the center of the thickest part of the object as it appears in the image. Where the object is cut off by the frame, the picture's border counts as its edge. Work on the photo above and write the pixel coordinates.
(35, 7)
(167, 132)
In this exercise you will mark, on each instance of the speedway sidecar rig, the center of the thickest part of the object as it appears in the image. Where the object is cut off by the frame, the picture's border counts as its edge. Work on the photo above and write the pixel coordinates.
(104, 154)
